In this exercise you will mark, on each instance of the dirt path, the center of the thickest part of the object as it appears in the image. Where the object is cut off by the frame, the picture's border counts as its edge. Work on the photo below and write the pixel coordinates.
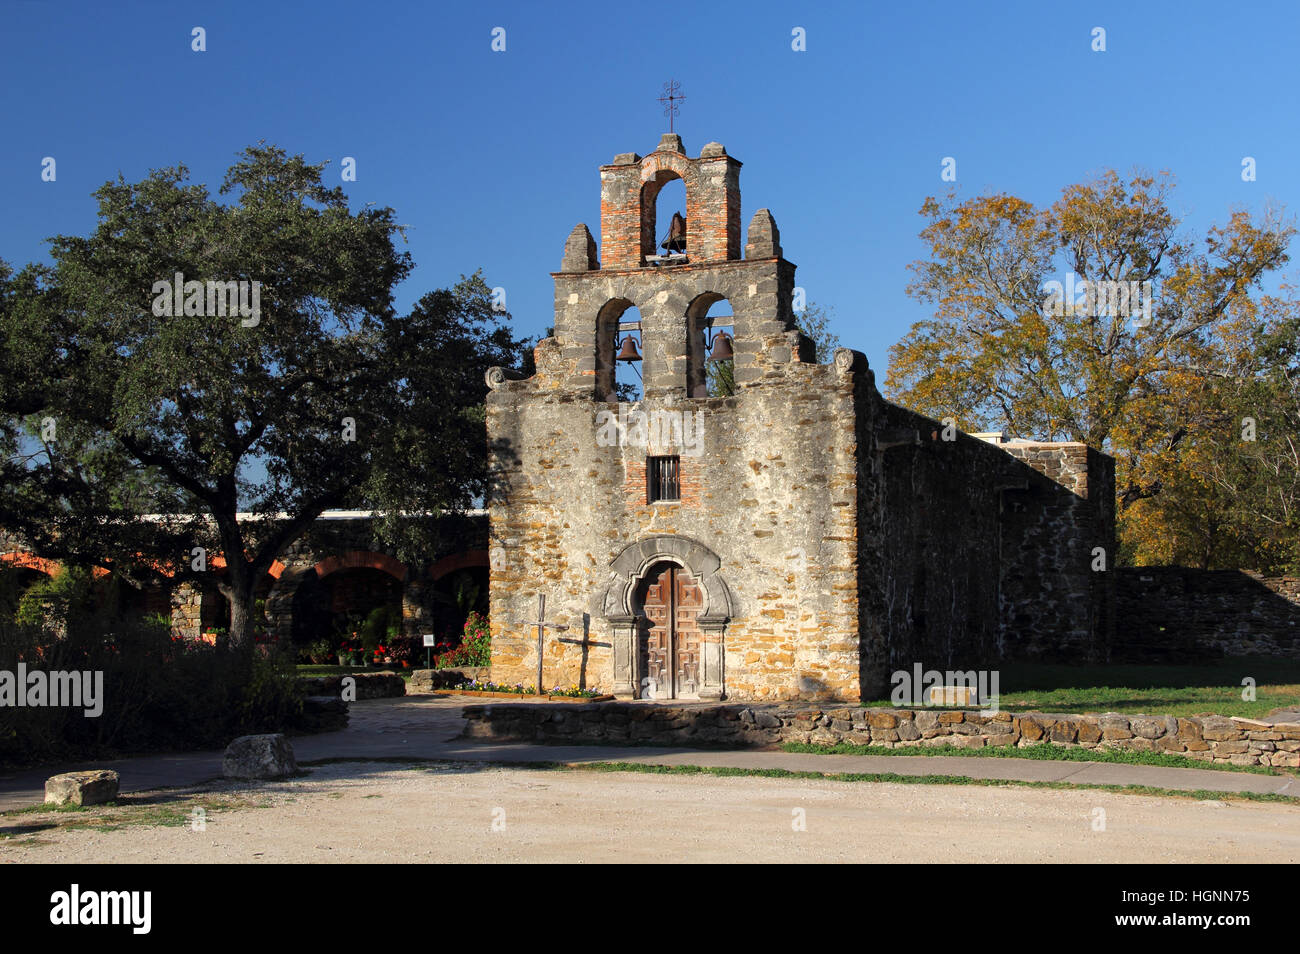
(355, 812)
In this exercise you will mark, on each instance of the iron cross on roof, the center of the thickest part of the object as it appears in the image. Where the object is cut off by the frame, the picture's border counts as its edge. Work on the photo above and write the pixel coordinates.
(671, 97)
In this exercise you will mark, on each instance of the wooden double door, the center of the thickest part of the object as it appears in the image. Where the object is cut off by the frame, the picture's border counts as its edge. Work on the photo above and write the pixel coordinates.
(669, 634)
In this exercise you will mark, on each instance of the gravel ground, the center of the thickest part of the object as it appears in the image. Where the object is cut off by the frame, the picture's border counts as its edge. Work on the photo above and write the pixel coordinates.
(369, 812)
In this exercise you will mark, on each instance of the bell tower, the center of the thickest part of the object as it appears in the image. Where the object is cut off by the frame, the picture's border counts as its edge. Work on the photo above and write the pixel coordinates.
(673, 288)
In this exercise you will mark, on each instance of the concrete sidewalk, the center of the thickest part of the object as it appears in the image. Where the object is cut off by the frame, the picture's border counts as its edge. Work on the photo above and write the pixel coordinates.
(428, 727)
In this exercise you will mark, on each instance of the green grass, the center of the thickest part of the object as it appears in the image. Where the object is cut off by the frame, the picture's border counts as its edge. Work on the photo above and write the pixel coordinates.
(23, 826)
(1213, 687)
(442, 765)
(1045, 752)
(728, 771)
(734, 772)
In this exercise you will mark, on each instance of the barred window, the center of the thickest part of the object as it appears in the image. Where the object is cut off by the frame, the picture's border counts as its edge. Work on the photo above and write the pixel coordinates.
(663, 479)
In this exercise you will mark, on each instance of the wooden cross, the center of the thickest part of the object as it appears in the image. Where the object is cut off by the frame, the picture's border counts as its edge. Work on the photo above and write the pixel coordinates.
(541, 625)
(671, 97)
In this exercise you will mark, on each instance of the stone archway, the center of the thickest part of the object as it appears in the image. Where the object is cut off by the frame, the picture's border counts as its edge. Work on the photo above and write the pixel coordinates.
(618, 604)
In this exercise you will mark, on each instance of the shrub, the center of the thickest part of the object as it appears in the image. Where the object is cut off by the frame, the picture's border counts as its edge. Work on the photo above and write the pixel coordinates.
(382, 623)
(475, 648)
(159, 691)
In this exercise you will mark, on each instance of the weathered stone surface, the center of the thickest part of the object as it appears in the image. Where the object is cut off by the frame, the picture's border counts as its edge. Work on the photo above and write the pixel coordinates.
(366, 685)
(1219, 729)
(1089, 731)
(1031, 729)
(1249, 724)
(426, 680)
(1230, 748)
(1218, 613)
(1147, 727)
(793, 514)
(1063, 730)
(907, 730)
(259, 756)
(93, 787)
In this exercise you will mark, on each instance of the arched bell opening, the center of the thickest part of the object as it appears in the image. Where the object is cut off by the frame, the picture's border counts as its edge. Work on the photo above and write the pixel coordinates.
(618, 352)
(711, 331)
(664, 227)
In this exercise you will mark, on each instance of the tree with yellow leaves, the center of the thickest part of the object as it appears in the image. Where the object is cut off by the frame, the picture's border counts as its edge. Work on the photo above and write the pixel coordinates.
(1098, 320)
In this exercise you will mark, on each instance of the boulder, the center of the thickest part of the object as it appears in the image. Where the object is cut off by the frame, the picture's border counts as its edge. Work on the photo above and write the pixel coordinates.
(94, 787)
(259, 756)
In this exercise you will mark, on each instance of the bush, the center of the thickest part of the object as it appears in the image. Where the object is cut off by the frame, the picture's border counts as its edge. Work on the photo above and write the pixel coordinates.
(159, 691)
(382, 624)
(475, 648)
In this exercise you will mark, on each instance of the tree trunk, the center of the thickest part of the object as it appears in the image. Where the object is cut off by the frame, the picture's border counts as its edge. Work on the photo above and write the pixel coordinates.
(240, 620)
(239, 589)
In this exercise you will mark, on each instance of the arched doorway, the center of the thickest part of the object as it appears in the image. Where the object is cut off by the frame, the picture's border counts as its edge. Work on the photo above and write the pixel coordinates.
(669, 640)
(622, 604)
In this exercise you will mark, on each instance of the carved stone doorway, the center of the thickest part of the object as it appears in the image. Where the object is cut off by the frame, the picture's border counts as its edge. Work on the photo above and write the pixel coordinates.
(669, 640)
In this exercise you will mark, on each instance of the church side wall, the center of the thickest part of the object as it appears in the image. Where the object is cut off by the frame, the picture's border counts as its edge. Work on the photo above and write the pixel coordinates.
(987, 551)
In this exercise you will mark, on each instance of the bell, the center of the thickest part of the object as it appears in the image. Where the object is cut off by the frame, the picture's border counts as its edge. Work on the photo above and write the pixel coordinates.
(628, 352)
(722, 349)
(676, 240)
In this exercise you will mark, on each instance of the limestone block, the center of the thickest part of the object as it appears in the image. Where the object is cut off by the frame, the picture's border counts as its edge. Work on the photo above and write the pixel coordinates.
(94, 787)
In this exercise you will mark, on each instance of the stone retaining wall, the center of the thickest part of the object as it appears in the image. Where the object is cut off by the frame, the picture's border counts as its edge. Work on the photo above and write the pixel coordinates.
(1205, 738)
(369, 685)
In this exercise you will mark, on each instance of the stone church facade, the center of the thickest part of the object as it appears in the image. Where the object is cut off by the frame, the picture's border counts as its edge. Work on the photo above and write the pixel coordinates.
(800, 538)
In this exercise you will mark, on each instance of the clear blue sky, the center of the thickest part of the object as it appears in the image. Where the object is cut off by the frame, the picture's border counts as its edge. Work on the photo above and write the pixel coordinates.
(491, 158)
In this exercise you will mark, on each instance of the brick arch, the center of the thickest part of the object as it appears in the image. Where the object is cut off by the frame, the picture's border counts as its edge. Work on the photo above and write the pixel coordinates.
(656, 172)
(23, 560)
(458, 561)
(362, 559)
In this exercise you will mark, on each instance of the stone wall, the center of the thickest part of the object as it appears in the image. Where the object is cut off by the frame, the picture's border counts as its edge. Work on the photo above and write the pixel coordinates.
(1203, 738)
(1172, 613)
(976, 554)
(776, 487)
